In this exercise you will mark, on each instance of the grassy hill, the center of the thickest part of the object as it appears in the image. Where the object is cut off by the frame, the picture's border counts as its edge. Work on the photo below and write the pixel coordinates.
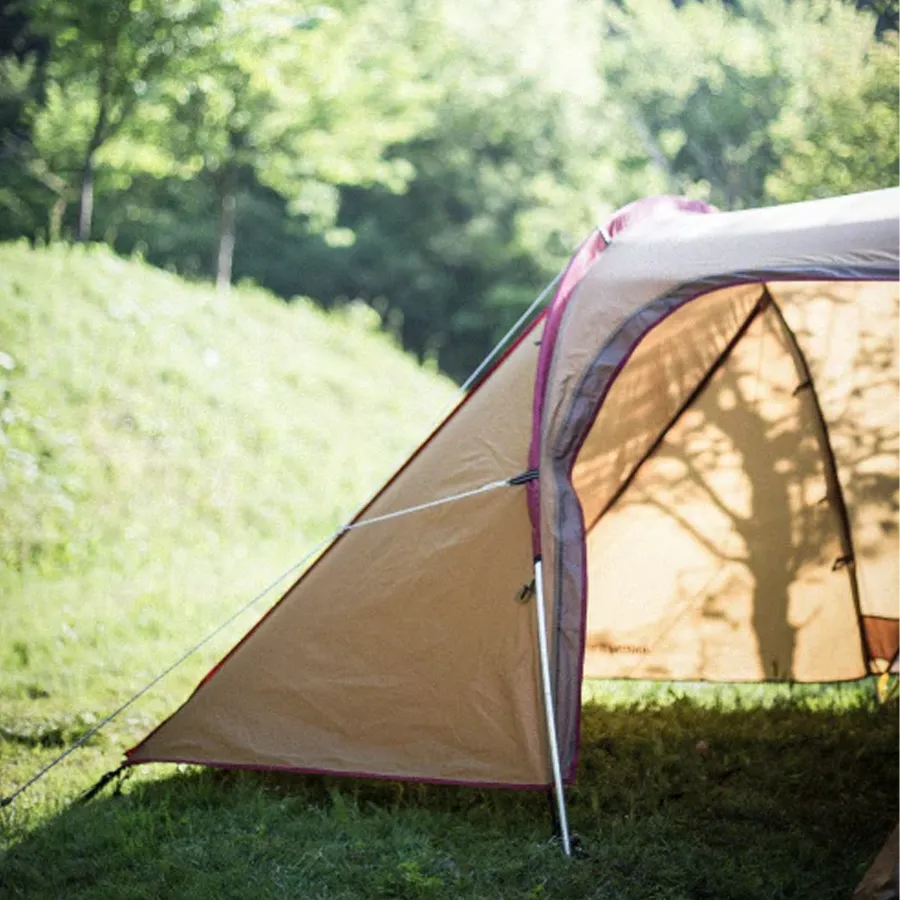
(141, 407)
(164, 452)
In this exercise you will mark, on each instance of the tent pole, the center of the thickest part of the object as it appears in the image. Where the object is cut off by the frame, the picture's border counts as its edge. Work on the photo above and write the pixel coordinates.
(548, 705)
(485, 363)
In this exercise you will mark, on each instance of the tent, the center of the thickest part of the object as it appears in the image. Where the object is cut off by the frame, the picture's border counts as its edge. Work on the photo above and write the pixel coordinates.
(882, 879)
(686, 468)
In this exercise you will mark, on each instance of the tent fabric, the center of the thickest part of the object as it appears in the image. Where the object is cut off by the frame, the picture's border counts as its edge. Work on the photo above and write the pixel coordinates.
(650, 273)
(717, 458)
(882, 879)
(746, 591)
(403, 652)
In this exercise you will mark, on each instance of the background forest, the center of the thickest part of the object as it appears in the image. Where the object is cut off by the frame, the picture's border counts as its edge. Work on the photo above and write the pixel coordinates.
(437, 159)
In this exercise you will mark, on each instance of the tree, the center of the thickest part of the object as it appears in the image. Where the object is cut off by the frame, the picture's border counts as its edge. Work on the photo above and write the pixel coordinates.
(23, 68)
(504, 180)
(751, 104)
(839, 132)
(107, 55)
(298, 104)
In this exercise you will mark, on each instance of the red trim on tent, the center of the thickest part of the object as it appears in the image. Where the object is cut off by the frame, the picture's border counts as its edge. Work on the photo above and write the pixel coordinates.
(575, 271)
(578, 266)
(651, 207)
(406, 779)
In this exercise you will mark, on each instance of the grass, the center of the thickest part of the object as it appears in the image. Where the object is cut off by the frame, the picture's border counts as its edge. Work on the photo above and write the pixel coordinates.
(676, 798)
(163, 453)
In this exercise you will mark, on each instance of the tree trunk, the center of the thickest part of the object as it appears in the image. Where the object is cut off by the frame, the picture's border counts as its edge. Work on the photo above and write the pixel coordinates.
(86, 207)
(654, 151)
(98, 136)
(54, 229)
(227, 184)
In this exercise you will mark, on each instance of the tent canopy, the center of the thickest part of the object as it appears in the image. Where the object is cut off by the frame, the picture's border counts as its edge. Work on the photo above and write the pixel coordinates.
(704, 426)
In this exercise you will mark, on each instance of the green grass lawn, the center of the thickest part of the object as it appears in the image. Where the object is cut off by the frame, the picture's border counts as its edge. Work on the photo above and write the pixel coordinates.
(164, 452)
(676, 798)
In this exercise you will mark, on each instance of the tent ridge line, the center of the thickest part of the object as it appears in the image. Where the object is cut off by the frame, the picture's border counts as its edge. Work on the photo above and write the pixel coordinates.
(835, 490)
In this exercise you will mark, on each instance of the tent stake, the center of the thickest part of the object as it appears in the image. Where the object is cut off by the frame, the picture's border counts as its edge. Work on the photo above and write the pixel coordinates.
(548, 706)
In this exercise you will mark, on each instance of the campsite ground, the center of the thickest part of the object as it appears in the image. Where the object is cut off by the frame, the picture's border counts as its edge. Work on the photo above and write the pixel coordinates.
(677, 797)
(159, 479)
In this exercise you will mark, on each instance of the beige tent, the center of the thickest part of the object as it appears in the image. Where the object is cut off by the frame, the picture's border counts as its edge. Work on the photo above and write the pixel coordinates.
(698, 440)
(882, 879)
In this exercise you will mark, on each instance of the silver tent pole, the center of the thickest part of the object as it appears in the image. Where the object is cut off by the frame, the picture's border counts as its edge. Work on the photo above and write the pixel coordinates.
(548, 705)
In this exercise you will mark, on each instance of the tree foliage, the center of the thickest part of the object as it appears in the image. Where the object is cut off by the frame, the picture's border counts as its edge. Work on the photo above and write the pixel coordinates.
(770, 101)
(840, 133)
(492, 207)
(439, 160)
(275, 99)
(108, 55)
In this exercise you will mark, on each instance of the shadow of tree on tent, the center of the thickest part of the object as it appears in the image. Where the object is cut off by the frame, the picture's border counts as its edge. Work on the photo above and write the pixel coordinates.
(761, 567)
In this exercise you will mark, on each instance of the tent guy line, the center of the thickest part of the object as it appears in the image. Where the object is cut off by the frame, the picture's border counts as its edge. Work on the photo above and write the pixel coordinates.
(514, 481)
(5, 801)
(483, 489)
